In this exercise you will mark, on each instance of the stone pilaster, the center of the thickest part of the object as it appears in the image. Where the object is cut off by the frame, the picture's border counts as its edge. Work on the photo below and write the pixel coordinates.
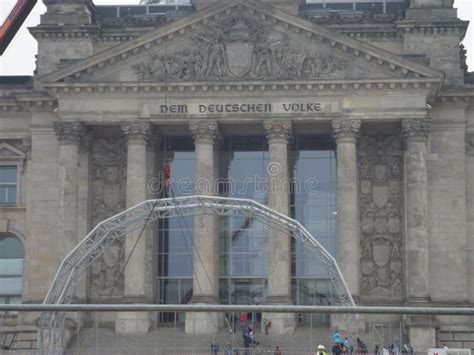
(470, 211)
(206, 238)
(83, 200)
(135, 285)
(69, 136)
(346, 132)
(279, 243)
(416, 133)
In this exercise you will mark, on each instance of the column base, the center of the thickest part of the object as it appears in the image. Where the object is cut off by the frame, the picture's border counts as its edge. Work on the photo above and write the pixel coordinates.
(203, 323)
(422, 333)
(417, 301)
(132, 323)
(281, 323)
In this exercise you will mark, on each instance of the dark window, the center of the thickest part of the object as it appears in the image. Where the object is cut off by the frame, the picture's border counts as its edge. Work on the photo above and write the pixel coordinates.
(8, 184)
(11, 269)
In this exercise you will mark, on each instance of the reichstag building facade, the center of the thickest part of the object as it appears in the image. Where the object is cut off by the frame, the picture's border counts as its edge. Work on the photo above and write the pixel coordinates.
(353, 117)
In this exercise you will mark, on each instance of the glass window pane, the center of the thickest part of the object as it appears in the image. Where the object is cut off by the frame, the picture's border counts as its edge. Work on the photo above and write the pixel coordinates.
(10, 248)
(8, 174)
(11, 267)
(10, 286)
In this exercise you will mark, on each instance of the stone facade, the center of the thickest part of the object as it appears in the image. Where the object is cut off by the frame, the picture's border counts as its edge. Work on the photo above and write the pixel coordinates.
(395, 100)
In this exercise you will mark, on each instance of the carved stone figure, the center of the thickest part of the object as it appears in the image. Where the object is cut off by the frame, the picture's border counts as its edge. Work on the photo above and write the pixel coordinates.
(381, 243)
(108, 198)
(236, 48)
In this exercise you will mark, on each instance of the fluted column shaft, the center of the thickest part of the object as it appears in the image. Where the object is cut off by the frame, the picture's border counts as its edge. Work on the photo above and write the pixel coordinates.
(206, 137)
(416, 133)
(470, 211)
(346, 132)
(137, 134)
(69, 136)
(279, 243)
(206, 247)
(135, 280)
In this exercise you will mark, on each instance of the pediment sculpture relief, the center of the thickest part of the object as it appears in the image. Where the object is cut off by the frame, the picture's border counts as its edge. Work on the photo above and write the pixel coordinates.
(240, 48)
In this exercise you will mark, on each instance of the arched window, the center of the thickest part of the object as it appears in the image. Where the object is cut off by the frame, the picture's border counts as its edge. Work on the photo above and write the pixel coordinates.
(11, 269)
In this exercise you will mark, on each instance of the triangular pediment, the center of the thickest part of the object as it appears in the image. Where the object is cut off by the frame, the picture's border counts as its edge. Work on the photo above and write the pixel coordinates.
(9, 152)
(243, 41)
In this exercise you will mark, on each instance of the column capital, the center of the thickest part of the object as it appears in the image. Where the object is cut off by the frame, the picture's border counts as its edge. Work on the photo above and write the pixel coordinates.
(69, 132)
(345, 129)
(278, 131)
(416, 129)
(470, 144)
(137, 132)
(205, 131)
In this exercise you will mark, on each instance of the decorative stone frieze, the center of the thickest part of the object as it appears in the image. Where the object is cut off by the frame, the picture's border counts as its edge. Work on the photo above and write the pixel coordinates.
(240, 47)
(108, 180)
(69, 132)
(380, 179)
(470, 144)
(137, 131)
(205, 131)
(278, 131)
(345, 128)
(132, 21)
(415, 128)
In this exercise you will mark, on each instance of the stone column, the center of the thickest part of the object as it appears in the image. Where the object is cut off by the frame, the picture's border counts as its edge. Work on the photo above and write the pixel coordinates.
(69, 135)
(416, 132)
(470, 211)
(83, 201)
(346, 132)
(205, 238)
(135, 285)
(279, 243)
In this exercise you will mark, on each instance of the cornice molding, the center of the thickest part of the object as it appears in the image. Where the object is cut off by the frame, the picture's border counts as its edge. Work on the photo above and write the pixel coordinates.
(291, 24)
(248, 86)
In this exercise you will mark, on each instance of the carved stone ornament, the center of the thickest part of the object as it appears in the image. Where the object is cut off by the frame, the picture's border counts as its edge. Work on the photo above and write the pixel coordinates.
(132, 21)
(205, 131)
(341, 18)
(470, 144)
(108, 183)
(380, 162)
(69, 132)
(137, 131)
(240, 48)
(278, 131)
(414, 128)
(345, 128)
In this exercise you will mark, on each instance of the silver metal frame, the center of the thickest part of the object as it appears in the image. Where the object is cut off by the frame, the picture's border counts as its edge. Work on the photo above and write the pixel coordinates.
(105, 233)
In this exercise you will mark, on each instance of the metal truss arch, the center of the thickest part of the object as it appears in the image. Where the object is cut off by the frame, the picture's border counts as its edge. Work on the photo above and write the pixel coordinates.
(74, 265)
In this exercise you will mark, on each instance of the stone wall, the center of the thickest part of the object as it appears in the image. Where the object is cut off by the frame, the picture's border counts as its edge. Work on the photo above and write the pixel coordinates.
(108, 180)
(447, 204)
(380, 175)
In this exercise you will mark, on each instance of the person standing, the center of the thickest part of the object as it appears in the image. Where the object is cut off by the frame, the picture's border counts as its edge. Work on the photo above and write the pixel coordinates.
(321, 350)
(336, 338)
(228, 349)
(277, 351)
(214, 347)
